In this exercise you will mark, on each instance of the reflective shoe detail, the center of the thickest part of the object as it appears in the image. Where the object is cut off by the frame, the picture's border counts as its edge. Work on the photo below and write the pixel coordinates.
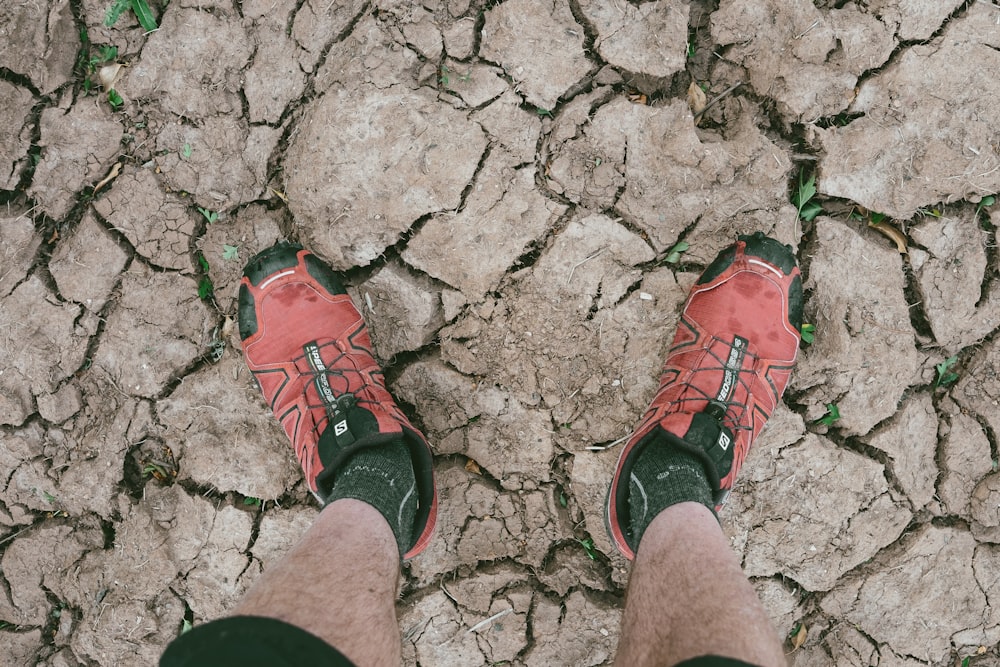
(308, 348)
(728, 366)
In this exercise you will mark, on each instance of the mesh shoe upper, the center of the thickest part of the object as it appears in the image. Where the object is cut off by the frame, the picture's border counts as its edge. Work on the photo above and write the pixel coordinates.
(308, 348)
(726, 370)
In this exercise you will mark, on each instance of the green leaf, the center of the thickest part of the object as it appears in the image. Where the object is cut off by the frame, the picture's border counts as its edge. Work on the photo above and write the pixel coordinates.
(543, 112)
(202, 262)
(145, 16)
(249, 500)
(808, 190)
(562, 499)
(832, 415)
(674, 254)
(810, 211)
(211, 216)
(808, 332)
(186, 150)
(114, 11)
(186, 626)
(988, 200)
(205, 288)
(944, 375)
(115, 100)
(154, 470)
(230, 252)
(801, 198)
(588, 546)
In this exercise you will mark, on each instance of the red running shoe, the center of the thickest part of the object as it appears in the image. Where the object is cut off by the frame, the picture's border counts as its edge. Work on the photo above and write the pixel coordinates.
(728, 366)
(309, 350)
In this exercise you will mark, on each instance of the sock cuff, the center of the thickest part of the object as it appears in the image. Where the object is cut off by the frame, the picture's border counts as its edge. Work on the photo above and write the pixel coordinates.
(383, 478)
(663, 476)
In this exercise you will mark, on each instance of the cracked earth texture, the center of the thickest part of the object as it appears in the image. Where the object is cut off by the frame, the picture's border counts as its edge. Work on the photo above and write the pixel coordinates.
(502, 184)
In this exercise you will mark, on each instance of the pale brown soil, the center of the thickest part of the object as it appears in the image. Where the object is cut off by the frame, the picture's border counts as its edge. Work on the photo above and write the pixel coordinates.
(502, 183)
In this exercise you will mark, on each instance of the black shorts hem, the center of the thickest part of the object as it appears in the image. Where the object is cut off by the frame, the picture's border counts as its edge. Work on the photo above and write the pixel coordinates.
(713, 661)
(250, 641)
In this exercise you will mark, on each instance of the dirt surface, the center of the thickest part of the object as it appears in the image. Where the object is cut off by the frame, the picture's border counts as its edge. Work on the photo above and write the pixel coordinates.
(504, 185)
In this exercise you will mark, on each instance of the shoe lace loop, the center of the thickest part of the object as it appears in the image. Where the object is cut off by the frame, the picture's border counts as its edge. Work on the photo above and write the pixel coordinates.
(732, 408)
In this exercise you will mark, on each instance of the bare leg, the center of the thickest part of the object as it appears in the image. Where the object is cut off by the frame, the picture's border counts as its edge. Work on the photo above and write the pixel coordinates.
(687, 596)
(339, 583)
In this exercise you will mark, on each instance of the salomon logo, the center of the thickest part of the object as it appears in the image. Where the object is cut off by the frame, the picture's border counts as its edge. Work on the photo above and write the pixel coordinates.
(340, 428)
(724, 441)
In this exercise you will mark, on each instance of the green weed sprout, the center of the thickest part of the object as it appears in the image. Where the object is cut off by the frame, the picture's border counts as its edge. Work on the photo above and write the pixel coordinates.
(832, 415)
(802, 198)
(211, 216)
(674, 254)
(205, 286)
(115, 100)
(141, 9)
(808, 332)
(986, 201)
(945, 376)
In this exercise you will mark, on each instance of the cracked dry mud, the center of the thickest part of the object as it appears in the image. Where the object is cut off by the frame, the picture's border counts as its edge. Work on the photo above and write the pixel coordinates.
(502, 183)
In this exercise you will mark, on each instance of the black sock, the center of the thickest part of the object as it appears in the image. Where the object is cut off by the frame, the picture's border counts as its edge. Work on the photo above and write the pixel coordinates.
(382, 476)
(663, 476)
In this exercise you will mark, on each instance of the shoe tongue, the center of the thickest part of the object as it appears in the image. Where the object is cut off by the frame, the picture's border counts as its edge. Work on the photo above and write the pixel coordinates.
(708, 434)
(350, 426)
